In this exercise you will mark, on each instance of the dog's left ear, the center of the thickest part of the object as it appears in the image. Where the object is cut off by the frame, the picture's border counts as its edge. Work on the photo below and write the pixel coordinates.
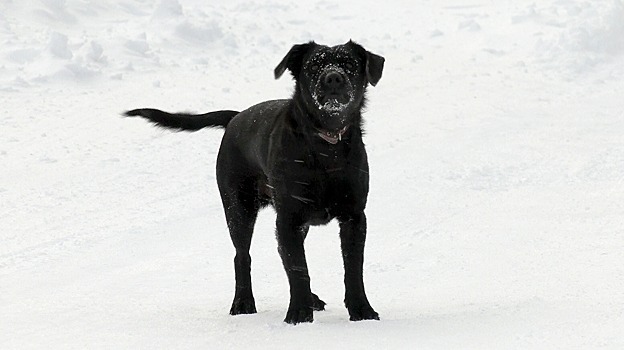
(293, 60)
(373, 64)
(374, 67)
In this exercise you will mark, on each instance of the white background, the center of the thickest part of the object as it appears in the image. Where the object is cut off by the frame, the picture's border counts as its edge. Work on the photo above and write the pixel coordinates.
(495, 138)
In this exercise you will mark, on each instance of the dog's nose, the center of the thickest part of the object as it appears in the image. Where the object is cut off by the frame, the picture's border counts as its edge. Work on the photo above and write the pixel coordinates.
(333, 80)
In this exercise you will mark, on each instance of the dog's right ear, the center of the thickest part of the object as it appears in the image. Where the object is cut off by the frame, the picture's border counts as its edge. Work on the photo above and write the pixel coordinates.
(293, 60)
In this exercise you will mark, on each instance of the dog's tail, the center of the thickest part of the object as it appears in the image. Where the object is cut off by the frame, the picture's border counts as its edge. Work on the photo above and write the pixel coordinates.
(184, 121)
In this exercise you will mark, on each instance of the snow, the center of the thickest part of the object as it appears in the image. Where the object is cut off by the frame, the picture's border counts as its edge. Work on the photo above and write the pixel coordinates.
(496, 210)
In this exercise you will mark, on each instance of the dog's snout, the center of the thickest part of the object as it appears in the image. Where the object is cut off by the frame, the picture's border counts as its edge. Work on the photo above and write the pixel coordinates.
(333, 80)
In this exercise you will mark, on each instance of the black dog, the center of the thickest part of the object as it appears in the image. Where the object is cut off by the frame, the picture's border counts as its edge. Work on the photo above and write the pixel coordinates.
(305, 156)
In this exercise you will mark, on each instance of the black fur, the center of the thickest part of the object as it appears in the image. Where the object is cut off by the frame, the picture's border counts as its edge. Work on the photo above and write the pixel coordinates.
(305, 157)
(184, 121)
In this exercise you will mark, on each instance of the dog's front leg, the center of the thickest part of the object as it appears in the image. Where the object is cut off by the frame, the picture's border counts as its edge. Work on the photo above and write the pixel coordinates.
(353, 237)
(290, 237)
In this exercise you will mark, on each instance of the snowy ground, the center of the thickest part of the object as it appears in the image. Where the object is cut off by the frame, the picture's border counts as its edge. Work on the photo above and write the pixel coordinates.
(495, 137)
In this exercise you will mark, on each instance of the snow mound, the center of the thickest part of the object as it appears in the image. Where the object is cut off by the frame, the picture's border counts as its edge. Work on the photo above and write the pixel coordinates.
(586, 34)
(74, 41)
(601, 31)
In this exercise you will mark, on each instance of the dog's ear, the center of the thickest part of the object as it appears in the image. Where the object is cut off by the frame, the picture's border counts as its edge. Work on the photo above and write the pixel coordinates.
(373, 64)
(374, 67)
(293, 60)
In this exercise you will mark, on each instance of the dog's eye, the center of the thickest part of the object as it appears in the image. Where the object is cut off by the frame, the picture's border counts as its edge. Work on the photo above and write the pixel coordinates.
(314, 67)
(349, 65)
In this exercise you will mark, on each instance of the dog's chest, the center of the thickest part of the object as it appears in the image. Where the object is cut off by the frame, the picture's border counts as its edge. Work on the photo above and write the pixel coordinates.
(317, 179)
(322, 166)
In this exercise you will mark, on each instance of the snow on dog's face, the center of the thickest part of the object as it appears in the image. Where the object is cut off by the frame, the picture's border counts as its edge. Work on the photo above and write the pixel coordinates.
(331, 81)
(333, 77)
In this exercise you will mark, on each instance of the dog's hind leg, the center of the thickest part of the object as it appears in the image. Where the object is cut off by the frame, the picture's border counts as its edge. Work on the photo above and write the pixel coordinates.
(317, 303)
(241, 209)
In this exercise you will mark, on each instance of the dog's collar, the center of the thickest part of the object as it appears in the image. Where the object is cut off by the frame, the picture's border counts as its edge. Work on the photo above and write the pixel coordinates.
(332, 136)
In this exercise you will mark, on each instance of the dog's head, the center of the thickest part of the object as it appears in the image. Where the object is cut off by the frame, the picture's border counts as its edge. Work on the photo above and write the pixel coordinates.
(331, 81)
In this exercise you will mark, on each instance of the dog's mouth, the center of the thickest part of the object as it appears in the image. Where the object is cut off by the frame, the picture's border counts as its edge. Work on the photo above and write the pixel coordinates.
(333, 92)
(334, 102)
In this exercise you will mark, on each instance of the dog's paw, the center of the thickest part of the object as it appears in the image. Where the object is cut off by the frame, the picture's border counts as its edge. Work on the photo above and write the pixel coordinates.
(243, 306)
(362, 312)
(299, 315)
(317, 304)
